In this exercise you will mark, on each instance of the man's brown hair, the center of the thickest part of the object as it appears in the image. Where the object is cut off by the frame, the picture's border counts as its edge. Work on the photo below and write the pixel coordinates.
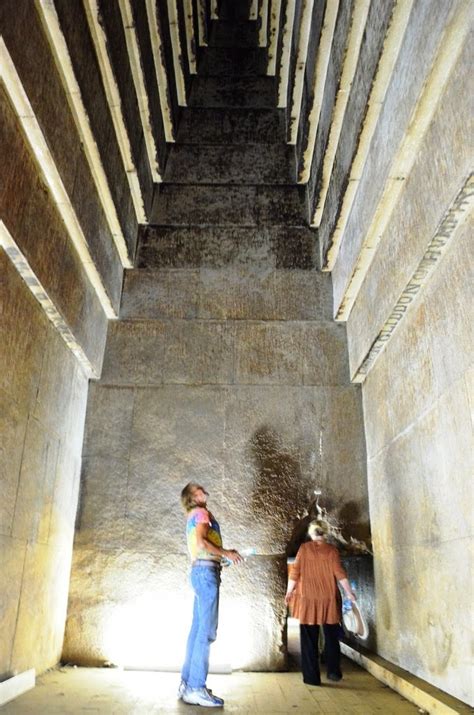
(187, 495)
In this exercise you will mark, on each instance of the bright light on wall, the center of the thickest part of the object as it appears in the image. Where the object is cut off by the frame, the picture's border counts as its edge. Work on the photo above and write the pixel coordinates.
(150, 632)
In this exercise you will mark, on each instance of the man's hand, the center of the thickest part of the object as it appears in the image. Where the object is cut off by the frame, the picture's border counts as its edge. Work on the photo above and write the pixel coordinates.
(232, 555)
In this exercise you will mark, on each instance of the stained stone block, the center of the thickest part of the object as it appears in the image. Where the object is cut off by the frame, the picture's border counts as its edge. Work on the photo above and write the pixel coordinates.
(251, 92)
(13, 422)
(42, 607)
(201, 205)
(251, 164)
(135, 353)
(234, 34)
(34, 499)
(199, 353)
(233, 61)
(343, 416)
(272, 441)
(324, 359)
(268, 354)
(199, 125)
(284, 205)
(12, 561)
(302, 295)
(262, 248)
(66, 492)
(160, 294)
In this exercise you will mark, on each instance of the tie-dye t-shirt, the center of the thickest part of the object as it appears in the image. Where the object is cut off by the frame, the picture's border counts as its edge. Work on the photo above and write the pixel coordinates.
(199, 515)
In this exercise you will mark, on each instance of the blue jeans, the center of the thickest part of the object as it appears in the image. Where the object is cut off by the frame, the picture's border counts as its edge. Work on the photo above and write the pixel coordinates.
(205, 581)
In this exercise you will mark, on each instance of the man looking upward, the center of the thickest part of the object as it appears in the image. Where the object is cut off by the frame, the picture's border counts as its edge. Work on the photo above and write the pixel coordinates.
(205, 548)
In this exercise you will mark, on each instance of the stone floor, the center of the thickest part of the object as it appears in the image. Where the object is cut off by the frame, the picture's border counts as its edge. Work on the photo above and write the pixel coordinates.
(67, 691)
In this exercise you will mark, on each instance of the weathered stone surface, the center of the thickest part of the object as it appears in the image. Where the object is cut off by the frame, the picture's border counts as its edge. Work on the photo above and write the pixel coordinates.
(377, 22)
(35, 225)
(251, 92)
(13, 421)
(232, 294)
(225, 206)
(442, 162)
(199, 353)
(140, 608)
(252, 164)
(12, 561)
(31, 518)
(261, 248)
(232, 126)
(134, 354)
(161, 294)
(42, 607)
(234, 34)
(233, 61)
(323, 354)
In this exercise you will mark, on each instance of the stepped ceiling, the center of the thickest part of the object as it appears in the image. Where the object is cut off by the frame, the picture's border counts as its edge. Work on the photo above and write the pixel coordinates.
(341, 73)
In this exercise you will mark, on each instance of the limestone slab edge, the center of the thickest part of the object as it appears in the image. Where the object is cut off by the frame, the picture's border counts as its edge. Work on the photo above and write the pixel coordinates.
(17, 685)
(417, 691)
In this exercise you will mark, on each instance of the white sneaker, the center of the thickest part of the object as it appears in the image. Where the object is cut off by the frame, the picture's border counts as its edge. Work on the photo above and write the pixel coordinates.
(181, 689)
(203, 697)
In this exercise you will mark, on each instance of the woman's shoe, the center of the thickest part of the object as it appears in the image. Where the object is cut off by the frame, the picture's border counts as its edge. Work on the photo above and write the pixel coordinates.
(203, 697)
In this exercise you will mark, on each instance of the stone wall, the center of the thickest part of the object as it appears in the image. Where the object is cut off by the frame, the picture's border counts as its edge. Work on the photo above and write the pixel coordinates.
(234, 376)
(416, 301)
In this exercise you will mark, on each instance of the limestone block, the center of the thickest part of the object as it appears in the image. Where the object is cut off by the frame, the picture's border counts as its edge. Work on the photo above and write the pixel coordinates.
(430, 639)
(323, 347)
(245, 293)
(22, 353)
(271, 438)
(224, 164)
(178, 437)
(74, 26)
(281, 205)
(73, 432)
(235, 126)
(12, 561)
(406, 367)
(105, 466)
(201, 205)
(135, 353)
(42, 607)
(438, 173)
(424, 475)
(135, 608)
(421, 40)
(376, 26)
(302, 295)
(236, 294)
(199, 352)
(65, 501)
(160, 294)
(268, 353)
(252, 92)
(53, 398)
(449, 305)
(13, 421)
(32, 515)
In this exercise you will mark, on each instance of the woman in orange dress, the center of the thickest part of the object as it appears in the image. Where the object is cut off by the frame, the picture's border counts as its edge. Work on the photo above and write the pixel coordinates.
(315, 600)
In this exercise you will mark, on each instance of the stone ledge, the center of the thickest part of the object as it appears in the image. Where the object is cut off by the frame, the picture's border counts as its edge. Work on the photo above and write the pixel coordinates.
(17, 685)
(418, 691)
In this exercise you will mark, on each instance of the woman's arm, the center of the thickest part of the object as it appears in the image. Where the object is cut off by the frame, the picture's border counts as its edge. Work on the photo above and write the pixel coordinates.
(289, 590)
(202, 530)
(347, 589)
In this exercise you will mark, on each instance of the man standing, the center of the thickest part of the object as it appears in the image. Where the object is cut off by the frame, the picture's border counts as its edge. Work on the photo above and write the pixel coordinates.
(205, 547)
